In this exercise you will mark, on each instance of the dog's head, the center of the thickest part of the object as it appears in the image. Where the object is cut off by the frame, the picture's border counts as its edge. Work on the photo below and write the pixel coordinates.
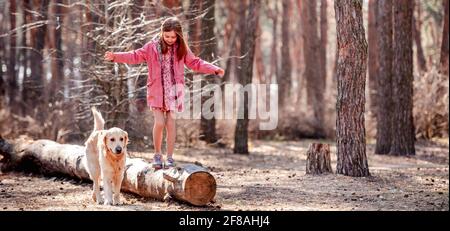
(115, 140)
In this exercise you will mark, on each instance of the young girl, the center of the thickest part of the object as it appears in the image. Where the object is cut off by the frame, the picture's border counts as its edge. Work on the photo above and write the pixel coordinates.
(165, 56)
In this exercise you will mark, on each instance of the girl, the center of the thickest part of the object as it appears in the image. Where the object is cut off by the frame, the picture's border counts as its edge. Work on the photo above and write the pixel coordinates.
(165, 56)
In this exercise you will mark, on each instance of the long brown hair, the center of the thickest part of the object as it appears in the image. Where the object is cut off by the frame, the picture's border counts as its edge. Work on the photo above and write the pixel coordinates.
(173, 24)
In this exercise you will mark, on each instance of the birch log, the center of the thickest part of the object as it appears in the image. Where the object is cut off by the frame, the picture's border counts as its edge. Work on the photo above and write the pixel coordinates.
(190, 183)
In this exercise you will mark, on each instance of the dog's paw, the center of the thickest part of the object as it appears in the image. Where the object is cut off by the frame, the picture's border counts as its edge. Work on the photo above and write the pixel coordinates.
(107, 202)
(116, 203)
(116, 200)
(100, 201)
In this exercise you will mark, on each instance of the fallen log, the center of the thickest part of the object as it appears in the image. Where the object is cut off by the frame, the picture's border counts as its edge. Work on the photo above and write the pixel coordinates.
(190, 183)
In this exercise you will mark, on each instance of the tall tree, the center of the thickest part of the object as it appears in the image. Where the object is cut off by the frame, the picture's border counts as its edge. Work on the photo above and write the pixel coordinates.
(57, 68)
(284, 79)
(402, 94)
(323, 42)
(417, 25)
(272, 13)
(12, 73)
(373, 54)
(2, 54)
(173, 7)
(34, 85)
(260, 72)
(230, 39)
(384, 79)
(351, 72)
(444, 44)
(314, 80)
(25, 60)
(208, 126)
(192, 14)
(136, 10)
(195, 9)
(242, 14)
(247, 46)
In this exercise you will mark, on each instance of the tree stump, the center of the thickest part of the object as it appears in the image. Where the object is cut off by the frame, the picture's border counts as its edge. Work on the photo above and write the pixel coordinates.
(190, 183)
(318, 159)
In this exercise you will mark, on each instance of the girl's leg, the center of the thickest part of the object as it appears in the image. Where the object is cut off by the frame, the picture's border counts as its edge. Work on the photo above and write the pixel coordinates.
(158, 128)
(171, 133)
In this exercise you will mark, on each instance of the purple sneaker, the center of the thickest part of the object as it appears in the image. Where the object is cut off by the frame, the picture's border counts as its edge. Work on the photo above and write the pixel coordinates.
(170, 162)
(157, 161)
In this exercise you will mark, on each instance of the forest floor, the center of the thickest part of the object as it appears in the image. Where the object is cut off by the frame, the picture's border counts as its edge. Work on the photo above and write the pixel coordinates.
(271, 177)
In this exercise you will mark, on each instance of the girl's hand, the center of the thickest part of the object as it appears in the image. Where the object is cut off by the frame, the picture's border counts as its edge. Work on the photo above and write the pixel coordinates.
(109, 56)
(220, 72)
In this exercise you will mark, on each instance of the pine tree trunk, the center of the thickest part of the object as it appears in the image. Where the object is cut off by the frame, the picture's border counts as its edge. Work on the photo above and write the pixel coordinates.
(247, 46)
(318, 159)
(230, 40)
(274, 67)
(12, 80)
(26, 54)
(323, 42)
(172, 7)
(89, 44)
(259, 59)
(195, 7)
(191, 183)
(141, 83)
(417, 37)
(351, 72)
(402, 94)
(314, 81)
(444, 46)
(58, 58)
(34, 86)
(208, 125)
(2, 82)
(284, 79)
(384, 80)
(299, 61)
(373, 62)
(2, 54)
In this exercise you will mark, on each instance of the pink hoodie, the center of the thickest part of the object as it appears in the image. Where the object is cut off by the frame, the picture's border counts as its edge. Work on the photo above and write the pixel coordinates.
(149, 53)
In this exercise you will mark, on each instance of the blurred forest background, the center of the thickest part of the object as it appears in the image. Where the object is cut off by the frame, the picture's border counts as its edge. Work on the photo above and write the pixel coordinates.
(52, 68)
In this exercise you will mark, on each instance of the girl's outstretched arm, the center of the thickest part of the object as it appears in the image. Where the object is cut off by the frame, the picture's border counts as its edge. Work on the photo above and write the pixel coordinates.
(195, 63)
(131, 57)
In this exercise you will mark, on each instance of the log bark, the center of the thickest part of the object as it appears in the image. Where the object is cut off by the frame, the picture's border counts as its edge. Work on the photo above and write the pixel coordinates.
(191, 183)
(318, 159)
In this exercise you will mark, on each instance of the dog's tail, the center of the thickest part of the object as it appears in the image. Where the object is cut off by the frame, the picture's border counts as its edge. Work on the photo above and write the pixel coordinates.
(99, 122)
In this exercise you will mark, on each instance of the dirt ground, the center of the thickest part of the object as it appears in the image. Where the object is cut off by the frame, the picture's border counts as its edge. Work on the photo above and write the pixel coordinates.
(272, 177)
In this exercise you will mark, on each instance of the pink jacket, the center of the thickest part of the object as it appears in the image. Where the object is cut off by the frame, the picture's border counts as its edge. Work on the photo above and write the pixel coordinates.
(149, 53)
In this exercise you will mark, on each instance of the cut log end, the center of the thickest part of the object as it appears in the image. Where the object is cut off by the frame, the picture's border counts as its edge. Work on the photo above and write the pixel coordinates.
(200, 188)
(318, 159)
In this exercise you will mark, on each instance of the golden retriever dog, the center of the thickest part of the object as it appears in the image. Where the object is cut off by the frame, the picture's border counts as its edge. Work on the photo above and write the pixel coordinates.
(106, 151)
